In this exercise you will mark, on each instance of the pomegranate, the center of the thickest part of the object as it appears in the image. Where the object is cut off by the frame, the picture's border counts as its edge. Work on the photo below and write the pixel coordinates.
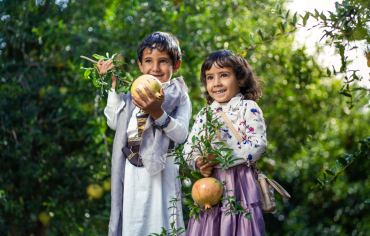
(95, 191)
(153, 84)
(206, 192)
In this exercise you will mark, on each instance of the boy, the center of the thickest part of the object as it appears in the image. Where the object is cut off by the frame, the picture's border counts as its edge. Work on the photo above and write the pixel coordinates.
(143, 177)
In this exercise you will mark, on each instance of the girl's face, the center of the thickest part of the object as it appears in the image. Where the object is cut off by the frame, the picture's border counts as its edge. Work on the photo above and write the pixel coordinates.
(222, 84)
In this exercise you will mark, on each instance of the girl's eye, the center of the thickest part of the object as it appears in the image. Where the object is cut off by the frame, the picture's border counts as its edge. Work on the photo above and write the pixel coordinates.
(209, 77)
(223, 75)
(148, 61)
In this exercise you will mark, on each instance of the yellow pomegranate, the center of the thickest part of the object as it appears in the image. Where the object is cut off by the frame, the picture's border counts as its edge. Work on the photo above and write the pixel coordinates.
(95, 191)
(206, 192)
(44, 218)
(153, 84)
(107, 185)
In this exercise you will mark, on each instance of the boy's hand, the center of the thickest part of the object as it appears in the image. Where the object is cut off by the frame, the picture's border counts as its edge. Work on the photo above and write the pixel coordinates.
(104, 67)
(149, 104)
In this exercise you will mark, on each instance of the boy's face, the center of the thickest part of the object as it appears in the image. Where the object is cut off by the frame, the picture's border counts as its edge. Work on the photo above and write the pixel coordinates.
(222, 85)
(159, 64)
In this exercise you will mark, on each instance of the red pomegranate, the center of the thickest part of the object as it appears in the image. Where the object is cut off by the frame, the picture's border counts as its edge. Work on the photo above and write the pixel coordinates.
(206, 192)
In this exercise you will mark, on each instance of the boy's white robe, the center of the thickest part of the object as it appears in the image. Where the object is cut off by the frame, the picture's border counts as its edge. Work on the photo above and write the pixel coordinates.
(146, 198)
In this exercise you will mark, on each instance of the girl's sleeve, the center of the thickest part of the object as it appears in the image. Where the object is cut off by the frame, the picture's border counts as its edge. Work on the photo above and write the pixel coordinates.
(177, 129)
(254, 135)
(191, 155)
(115, 103)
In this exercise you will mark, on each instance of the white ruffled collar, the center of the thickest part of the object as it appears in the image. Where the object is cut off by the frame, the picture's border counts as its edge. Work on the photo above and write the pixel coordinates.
(229, 106)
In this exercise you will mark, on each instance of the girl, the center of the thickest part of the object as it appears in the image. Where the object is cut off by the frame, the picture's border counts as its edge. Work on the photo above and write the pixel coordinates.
(232, 88)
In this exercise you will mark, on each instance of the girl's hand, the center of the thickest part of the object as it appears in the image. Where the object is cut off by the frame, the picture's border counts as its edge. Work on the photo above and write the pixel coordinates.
(199, 162)
(211, 157)
(149, 104)
(206, 167)
(206, 170)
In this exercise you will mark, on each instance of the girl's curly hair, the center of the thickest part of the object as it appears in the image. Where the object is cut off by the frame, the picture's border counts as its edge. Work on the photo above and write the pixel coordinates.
(250, 85)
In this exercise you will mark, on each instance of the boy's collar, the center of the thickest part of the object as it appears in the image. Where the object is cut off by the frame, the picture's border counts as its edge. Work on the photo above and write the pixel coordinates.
(231, 104)
(166, 84)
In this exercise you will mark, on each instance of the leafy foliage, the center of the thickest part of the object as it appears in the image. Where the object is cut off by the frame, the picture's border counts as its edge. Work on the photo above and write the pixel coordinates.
(54, 140)
(124, 79)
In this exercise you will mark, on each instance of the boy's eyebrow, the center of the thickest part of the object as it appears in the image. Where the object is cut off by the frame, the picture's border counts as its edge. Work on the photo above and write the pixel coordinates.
(159, 58)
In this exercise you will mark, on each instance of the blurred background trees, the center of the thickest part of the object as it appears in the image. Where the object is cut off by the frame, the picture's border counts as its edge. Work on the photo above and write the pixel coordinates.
(54, 141)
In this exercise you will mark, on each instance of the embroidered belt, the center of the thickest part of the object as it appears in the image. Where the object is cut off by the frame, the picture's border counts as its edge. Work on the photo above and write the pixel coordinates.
(132, 149)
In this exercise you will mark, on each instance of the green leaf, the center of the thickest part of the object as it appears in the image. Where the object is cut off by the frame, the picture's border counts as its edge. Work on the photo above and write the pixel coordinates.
(197, 175)
(329, 172)
(219, 126)
(305, 18)
(285, 26)
(328, 72)
(95, 81)
(344, 93)
(323, 17)
(192, 212)
(338, 164)
(295, 18)
(248, 216)
(286, 36)
(281, 27)
(193, 139)
(277, 7)
(287, 14)
(342, 161)
(87, 73)
(259, 32)
(209, 116)
(367, 200)
(227, 149)
(129, 76)
(99, 56)
(316, 14)
(332, 169)
(220, 143)
(251, 38)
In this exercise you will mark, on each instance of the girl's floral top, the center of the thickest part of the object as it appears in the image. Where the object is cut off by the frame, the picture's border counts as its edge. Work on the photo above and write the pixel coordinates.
(248, 120)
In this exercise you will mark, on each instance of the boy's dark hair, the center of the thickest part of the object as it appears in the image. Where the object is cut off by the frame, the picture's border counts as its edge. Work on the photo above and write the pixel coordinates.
(250, 86)
(162, 41)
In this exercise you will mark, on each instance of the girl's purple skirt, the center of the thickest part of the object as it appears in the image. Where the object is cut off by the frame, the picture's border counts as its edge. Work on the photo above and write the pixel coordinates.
(240, 179)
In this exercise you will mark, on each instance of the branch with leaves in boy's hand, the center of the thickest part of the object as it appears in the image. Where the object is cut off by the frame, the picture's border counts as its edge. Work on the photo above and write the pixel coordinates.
(149, 104)
(103, 67)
